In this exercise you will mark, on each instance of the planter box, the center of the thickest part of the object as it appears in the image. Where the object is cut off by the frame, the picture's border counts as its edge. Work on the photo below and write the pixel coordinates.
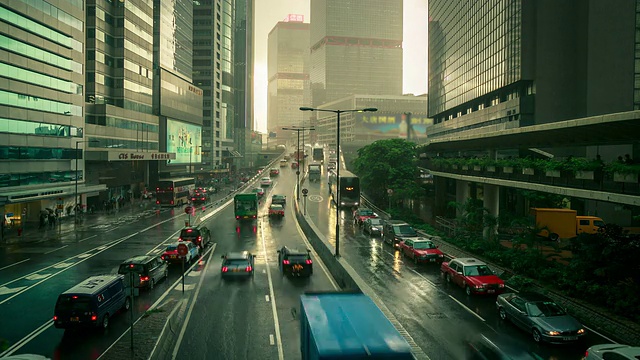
(584, 175)
(507, 170)
(465, 167)
(553, 173)
(625, 178)
(477, 168)
(528, 171)
(491, 168)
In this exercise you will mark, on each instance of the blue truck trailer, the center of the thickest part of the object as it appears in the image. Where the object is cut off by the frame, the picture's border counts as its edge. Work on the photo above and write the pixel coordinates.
(342, 325)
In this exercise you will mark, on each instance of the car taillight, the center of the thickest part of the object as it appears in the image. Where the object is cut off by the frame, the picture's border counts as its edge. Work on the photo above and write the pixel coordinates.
(237, 217)
(248, 268)
(286, 262)
(144, 278)
(157, 201)
(308, 262)
(171, 202)
(199, 238)
(162, 257)
(180, 239)
(225, 269)
(94, 317)
(202, 199)
(55, 317)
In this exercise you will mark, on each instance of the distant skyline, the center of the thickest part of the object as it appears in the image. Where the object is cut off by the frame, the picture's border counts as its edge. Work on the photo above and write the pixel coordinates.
(414, 46)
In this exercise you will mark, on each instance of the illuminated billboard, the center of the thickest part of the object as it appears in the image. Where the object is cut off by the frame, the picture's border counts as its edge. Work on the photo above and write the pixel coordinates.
(184, 140)
(377, 126)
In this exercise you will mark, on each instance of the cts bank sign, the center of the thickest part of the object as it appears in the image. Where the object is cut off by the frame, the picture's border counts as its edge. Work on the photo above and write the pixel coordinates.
(140, 156)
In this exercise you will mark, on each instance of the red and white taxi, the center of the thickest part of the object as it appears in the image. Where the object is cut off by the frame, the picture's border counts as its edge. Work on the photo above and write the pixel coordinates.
(362, 214)
(473, 275)
(421, 249)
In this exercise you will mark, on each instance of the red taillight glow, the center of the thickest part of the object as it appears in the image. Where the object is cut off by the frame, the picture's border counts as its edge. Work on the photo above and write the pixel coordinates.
(144, 278)
(248, 269)
(55, 318)
(237, 217)
(286, 262)
(202, 199)
(225, 269)
(94, 317)
(171, 202)
(199, 238)
(189, 230)
(157, 201)
(162, 257)
(308, 262)
(179, 239)
(74, 297)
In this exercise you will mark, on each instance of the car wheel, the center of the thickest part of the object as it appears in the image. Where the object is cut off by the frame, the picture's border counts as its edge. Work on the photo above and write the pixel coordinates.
(536, 335)
(127, 304)
(447, 277)
(502, 313)
(467, 290)
(105, 322)
(152, 284)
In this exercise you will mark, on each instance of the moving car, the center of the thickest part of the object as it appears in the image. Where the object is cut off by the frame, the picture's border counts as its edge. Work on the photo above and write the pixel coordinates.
(295, 262)
(294, 165)
(612, 351)
(274, 172)
(279, 199)
(421, 249)
(171, 253)
(362, 214)
(199, 235)
(540, 316)
(276, 210)
(91, 303)
(237, 264)
(199, 198)
(394, 231)
(284, 163)
(258, 191)
(148, 270)
(372, 226)
(473, 275)
(265, 181)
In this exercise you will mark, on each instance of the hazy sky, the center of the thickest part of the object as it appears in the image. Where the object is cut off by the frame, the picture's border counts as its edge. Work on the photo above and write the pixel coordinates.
(269, 12)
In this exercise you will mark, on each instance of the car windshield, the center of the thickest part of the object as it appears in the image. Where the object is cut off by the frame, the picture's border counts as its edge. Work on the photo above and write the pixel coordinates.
(297, 258)
(598, 223)
(276, 207)
(266, 179)
(477, 270)
(126, 268)
(375, 221)
(365, 212)
(424, 245)
(544, 308)
(173, 247)
(236, 262)
(189, 233)
(404, 230)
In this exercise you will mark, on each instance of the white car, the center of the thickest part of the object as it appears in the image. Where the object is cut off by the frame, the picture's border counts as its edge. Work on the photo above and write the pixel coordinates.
(265, 181)
(612, 351)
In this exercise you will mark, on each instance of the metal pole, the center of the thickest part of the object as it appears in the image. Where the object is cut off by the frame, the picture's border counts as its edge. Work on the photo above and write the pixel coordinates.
(338, 186)
(298, 169)
(75, 198)
(190, 151)
(131, 309)
(183, 274)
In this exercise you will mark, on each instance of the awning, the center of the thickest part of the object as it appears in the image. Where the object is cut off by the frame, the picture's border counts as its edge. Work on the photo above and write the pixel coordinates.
(231, 154)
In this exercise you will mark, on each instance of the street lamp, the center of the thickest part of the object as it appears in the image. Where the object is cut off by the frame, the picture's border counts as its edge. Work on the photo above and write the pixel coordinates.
(338, 112)
(298, 129)
(75, 198)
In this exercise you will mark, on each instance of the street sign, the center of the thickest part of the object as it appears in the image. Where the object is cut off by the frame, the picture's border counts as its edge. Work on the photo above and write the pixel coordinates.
(24, 211)
(188, 210)
(389, 191)
(305, 191)
(182, 249)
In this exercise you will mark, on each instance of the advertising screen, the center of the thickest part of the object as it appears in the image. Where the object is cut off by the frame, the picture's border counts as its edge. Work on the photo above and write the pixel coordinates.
(380, 126)
(184, 140)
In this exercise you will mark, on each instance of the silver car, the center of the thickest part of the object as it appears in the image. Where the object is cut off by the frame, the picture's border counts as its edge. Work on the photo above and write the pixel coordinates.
(612, 351)
(238, 264)
(372, 226)
(539, 315)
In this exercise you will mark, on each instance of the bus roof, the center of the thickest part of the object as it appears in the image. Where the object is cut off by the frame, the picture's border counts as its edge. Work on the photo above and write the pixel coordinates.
(245, 196)
(346, 173)
(347, 323)
(178, 179)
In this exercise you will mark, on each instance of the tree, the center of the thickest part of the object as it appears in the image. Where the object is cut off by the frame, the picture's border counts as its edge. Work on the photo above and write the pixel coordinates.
(388, 164)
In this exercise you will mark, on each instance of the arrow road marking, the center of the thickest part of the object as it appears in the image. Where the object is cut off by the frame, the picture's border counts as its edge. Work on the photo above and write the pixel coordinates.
(37, 276)
(5, 290)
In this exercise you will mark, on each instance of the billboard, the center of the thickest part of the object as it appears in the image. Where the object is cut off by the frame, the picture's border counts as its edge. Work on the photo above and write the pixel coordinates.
(184, 140)
(378, 126)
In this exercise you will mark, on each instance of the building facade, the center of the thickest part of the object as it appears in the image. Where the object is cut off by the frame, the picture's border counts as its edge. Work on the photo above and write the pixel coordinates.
(42, 132)
(239, 152)
(288, 74)
(356, 48)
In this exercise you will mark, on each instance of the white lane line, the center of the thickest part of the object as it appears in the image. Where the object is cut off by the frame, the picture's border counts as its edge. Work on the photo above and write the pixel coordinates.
(22, 342)
(466, 308)
(85, 239)
(50, 251)
(164, 328)
(271, 340)
(599, 334)
(192, 305)
(14, 264)
(273, 296)
(266, 297)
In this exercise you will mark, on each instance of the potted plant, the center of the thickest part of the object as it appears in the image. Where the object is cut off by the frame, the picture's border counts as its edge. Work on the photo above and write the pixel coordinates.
(552, 168)
(622, 172)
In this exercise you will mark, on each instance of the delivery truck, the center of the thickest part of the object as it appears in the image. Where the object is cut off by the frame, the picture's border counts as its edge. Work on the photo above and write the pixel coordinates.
(346, 325)
(557, 224)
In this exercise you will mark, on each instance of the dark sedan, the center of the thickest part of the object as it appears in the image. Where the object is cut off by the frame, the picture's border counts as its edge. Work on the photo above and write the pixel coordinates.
(372, 226)
(539, 315)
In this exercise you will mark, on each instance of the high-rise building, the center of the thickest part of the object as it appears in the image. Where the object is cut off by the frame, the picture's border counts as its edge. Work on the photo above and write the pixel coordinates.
(288, 73)
(42, 137)
(120, 119)
(243, 155)
(356, 48)
(504, 64)
(213, 72)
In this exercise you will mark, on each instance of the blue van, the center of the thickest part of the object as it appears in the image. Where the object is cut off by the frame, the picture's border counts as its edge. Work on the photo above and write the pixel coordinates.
(91, 303)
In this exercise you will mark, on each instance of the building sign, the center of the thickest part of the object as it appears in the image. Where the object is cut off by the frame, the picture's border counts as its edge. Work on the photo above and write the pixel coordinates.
(294, 18)
(385, 126)
(140, 156)
(184, 140)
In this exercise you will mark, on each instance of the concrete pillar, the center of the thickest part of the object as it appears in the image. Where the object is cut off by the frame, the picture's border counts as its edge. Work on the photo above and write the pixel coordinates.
(440, 193)
(491, 202)
(462, 193)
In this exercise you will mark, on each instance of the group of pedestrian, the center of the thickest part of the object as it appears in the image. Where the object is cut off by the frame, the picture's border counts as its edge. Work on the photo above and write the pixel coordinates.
(48, 219)
(626, 159)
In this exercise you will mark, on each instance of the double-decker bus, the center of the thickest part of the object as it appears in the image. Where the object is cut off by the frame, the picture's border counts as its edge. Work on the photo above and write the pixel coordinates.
(349, 192)
(172, 192)
(318, 154)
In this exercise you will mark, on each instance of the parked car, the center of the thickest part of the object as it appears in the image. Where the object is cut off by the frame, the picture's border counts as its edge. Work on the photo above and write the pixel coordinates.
(372, 226)
(421, 249)
(199, 198)
(394, 231)
(612, 352)
(148, 270)
(171, 253)
(294, 262)
(91, 303)
(265, 181)
(237, 264)
(362, 214)
(199, 235)
(474, 276)
(540, 316)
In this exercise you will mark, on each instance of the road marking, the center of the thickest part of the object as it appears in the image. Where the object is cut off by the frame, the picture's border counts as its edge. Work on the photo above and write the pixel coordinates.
(466, 308)
(50, 251)
(85, 255)
(61, 265)
(271, 340)
(14, 264)
(5, 290)
(22, 342)
(191, 306)
(273, 297)
(90, 237)
(266, 297)
(37, 276)
(187, 287)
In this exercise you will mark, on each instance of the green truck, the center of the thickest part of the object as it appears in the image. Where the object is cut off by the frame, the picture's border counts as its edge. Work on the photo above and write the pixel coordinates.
(246, 206)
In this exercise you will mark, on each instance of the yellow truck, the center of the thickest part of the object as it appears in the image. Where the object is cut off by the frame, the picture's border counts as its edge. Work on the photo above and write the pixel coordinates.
(564, 223)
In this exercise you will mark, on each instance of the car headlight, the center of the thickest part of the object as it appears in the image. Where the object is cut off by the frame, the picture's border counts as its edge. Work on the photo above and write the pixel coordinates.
(554, 333)
(440, 255)
(501, 285)
(581, 331)
(479, 286)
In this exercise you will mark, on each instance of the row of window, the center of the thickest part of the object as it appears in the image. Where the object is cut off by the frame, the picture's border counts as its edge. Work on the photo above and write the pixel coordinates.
(119, 102)
(36, 103)
(35, 53)
(38, 29)
(47, 177)
(54, 12)
(110, 143)
(37, 153)
(121, 123)
(13, 126)
(32, 77)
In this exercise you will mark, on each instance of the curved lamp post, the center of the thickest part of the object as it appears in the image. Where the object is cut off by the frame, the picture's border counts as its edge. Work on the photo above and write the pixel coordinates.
(298, 129)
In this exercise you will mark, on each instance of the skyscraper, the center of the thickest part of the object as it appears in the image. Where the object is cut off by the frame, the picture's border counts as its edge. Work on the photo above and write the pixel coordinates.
(288, 73)
(356, 48)
(243, 83)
